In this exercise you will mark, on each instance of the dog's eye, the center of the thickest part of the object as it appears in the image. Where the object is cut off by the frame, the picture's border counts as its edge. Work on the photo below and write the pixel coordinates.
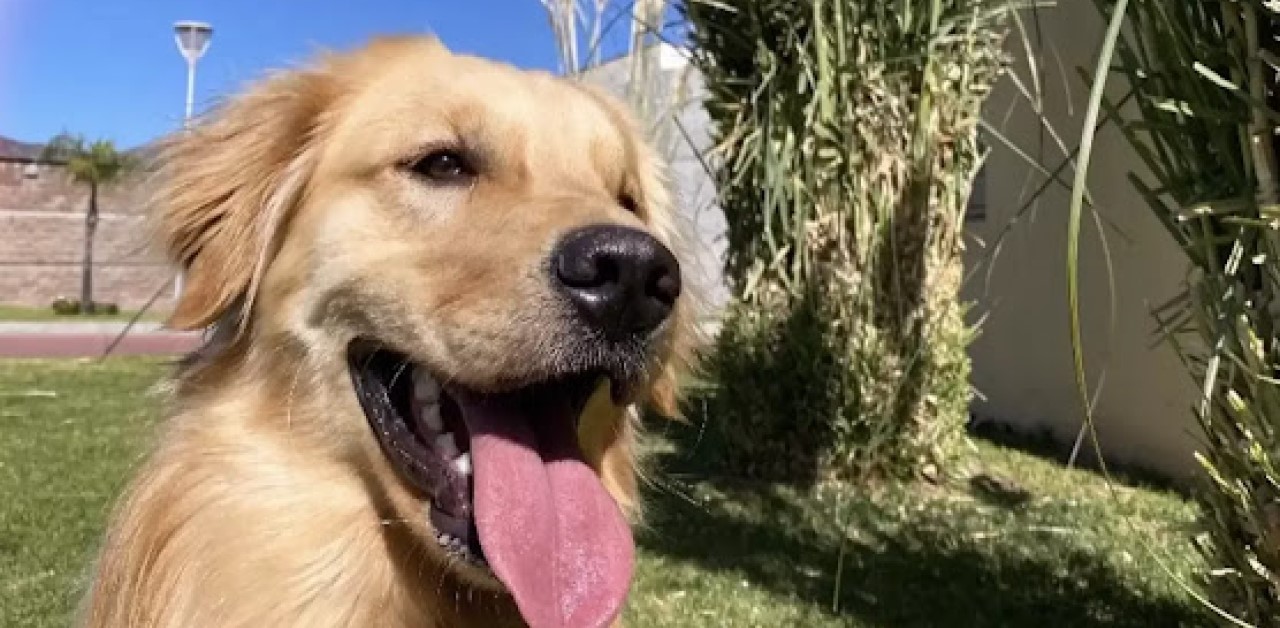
(628, 202)
(444, 166)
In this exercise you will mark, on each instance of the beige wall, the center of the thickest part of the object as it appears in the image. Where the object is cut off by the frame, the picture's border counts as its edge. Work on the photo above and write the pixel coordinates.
(1022, 361)
(42, 240)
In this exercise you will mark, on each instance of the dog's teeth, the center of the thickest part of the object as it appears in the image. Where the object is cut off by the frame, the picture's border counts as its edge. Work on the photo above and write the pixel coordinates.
(463, 464)
(430, 415)
(425, 389)
(445, 445)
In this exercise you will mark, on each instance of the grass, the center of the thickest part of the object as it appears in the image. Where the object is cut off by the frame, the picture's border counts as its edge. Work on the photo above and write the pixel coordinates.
(1053, 551)
(69, 433)
(23, 314)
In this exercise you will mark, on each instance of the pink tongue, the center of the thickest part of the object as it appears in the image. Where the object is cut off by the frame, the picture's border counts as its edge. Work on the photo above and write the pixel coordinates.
(548, 528)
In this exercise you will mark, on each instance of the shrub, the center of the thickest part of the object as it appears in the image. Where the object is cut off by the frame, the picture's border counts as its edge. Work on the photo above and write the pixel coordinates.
(846, 138)
(64, 306)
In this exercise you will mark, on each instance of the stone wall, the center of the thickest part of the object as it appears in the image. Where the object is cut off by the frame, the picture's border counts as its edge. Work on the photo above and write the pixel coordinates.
(42, 240)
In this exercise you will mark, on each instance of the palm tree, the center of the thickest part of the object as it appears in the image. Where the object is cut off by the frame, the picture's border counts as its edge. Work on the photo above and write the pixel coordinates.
(96, 164)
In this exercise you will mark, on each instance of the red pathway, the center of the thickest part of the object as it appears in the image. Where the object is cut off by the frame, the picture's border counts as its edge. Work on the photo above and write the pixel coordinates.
(69, 343)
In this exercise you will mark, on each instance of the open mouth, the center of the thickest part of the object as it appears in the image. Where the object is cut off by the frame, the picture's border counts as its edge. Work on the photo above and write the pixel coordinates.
(505, 481)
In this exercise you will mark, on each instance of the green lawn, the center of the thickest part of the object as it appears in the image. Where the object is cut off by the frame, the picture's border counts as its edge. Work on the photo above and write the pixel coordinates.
(713, 552)
(23, 314)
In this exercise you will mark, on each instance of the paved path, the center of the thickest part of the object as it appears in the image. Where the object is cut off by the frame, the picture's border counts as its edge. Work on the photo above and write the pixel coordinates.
(77, 340)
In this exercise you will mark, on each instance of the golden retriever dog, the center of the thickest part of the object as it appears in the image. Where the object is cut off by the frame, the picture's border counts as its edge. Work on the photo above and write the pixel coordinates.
(438, 287)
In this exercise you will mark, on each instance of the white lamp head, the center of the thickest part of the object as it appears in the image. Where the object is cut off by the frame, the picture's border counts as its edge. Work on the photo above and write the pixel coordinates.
(193, 39)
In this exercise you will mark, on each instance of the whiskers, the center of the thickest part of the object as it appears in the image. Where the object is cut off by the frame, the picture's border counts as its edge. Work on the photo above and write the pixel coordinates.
(391, 521)
(290, 396)
(400, 369)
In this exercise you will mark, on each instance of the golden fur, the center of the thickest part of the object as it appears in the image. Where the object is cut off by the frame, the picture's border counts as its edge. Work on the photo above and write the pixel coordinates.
(267, 501)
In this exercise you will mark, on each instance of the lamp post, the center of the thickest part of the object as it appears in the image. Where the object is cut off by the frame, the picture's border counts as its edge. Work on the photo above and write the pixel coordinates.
(193, 40)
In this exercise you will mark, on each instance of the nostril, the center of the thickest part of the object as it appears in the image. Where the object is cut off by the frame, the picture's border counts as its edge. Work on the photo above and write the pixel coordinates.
(664, 286)
(607, 270)
(593, 270)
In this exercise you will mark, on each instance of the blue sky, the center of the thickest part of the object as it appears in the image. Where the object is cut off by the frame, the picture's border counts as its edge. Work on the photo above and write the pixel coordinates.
(110, 68)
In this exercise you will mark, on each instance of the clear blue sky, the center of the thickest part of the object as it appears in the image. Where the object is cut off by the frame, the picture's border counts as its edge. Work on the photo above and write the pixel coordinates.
(110, 68)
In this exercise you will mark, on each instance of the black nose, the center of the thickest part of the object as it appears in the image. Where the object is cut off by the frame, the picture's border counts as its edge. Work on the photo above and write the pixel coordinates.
(623, 281)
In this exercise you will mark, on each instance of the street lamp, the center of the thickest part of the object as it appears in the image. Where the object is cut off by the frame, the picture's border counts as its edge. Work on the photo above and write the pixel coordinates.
(193, 40)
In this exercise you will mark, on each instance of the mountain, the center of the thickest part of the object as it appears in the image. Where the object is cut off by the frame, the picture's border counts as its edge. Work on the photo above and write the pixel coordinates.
(13, 149)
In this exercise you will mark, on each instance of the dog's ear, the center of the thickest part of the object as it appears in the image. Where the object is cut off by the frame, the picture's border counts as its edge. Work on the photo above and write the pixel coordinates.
(666, 387)
(673, 229)
(669, 226)
(686, 338)
(226, 185)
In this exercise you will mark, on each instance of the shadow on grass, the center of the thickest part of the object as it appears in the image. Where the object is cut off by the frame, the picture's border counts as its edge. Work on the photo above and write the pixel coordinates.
(901, 565)
(1043, 444)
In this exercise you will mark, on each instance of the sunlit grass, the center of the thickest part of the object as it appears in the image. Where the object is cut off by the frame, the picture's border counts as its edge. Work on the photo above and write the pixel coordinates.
(714, 552)
(24, 314)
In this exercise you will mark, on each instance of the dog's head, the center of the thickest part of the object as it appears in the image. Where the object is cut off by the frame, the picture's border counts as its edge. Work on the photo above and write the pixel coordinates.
(489, 255)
